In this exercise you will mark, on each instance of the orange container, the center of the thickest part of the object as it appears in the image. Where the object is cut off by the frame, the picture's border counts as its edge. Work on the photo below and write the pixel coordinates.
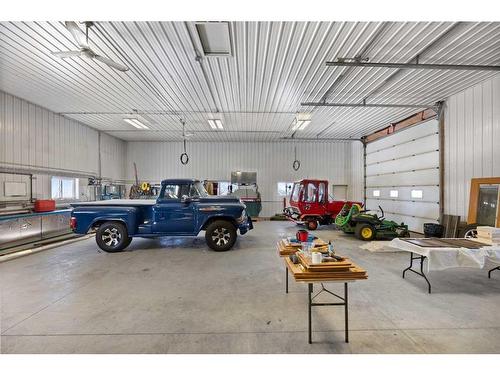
(45, 205)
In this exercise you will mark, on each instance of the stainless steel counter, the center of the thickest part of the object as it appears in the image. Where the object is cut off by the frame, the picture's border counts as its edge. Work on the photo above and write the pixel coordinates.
(21, 229)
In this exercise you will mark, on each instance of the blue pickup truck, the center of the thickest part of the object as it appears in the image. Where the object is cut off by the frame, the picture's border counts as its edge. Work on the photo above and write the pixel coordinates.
(183, 208)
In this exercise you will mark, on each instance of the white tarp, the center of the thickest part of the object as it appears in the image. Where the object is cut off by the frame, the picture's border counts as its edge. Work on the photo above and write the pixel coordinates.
(440, 258)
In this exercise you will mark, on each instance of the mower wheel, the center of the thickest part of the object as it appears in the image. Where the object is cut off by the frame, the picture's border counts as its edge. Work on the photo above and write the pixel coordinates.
(312, 224)
(364, 232)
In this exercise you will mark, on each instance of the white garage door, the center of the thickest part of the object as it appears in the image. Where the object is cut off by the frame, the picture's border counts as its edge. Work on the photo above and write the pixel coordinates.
(402, 175)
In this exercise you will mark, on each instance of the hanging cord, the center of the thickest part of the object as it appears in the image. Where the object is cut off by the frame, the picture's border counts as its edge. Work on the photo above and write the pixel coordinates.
(184, 156)
(296, 162)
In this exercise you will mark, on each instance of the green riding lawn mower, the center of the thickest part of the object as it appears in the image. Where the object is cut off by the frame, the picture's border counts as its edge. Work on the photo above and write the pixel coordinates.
(366, 226)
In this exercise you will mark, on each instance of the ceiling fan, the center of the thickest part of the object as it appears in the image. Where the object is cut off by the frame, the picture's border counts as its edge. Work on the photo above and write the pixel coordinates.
(82, 40)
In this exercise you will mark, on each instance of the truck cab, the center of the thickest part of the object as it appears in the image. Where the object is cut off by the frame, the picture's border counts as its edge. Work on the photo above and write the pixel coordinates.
(182, 208)
(312, 205)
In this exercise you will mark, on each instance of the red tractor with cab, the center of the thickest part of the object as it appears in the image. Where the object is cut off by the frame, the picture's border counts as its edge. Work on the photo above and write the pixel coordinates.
(310, 204)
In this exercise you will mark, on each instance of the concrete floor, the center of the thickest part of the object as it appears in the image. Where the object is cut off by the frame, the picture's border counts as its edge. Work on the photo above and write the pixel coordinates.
(176, 296)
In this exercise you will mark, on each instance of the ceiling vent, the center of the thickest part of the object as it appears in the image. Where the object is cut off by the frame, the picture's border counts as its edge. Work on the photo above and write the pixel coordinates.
(215, 38)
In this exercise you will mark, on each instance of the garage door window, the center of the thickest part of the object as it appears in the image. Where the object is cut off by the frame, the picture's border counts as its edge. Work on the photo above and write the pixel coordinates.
(376, 193)
(417, 194)
(394, 193)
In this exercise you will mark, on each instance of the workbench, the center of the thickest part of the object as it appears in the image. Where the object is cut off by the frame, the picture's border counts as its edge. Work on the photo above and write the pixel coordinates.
(307, 273)
(445, 253)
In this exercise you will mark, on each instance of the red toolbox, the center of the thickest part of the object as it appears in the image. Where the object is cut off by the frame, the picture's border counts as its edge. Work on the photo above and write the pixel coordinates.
(45, 205)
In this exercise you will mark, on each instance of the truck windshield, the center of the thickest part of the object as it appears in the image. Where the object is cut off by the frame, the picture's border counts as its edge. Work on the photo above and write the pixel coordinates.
(198, 190)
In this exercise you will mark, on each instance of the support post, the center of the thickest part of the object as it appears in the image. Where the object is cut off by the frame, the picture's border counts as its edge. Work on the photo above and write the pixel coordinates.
(346, 316)
(310, 288)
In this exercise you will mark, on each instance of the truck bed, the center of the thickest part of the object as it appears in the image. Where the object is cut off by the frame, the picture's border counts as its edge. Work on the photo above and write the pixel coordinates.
(118, 202)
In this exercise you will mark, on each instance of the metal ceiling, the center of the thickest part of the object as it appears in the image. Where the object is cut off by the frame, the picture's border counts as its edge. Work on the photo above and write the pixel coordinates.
(256, 92)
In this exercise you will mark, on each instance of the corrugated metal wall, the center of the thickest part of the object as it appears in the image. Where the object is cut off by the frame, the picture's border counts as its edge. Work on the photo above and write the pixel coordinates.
(472, 142)
(36, 139)
(271, 160)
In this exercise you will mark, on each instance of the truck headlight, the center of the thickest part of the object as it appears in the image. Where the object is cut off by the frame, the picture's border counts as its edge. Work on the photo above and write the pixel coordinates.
(243, 217)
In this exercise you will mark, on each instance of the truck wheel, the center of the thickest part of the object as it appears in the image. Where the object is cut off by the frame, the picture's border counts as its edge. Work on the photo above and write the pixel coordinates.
(470, 231)
(312, 225)
(112, 237)
(364, 232)
(220, 235)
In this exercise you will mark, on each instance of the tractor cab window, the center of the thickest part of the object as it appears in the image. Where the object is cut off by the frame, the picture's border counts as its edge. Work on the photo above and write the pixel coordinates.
(321, 192)
(310, 193)
(296, 192)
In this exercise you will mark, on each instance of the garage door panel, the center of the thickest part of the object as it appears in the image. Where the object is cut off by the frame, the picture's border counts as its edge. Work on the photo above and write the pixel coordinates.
(421, 161)
(413, 132)
(417, 178)
(428, 210)
(426, 144)
(404, 161)
(430, 193)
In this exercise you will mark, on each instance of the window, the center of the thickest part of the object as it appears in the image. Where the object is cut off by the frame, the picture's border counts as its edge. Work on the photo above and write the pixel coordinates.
(171, 192)
(394, 193)
(321, 192)
(376, 193)
(310, 193)
(64, 188)
(417, 194)
(224, 187)
(296, 192)
(197, 190)
(284, 189)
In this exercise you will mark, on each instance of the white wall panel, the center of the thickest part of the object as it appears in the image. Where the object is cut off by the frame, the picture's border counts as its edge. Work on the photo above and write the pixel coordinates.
(35, 139)
(356, 165)
(472, 142)
(271, 160)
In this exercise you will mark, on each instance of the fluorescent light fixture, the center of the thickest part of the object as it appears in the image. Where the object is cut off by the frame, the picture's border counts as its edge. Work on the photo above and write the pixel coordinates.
(215, 38)
(135, 123)
(302, 120)
(215, 124)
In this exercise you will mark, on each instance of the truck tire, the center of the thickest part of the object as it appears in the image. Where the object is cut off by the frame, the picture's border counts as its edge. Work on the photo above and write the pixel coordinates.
(364, 231)
(112, 237)
(220, 235)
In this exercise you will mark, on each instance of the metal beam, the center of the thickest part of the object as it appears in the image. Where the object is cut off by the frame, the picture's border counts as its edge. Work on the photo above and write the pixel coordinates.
(365, 105)
(413, 66)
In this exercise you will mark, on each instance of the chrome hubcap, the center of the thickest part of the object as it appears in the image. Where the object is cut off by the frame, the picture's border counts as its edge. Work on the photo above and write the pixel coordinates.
(221, 236)
(111, 237)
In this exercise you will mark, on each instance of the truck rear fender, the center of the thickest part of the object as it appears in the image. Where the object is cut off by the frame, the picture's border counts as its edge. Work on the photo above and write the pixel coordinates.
(91, 217)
